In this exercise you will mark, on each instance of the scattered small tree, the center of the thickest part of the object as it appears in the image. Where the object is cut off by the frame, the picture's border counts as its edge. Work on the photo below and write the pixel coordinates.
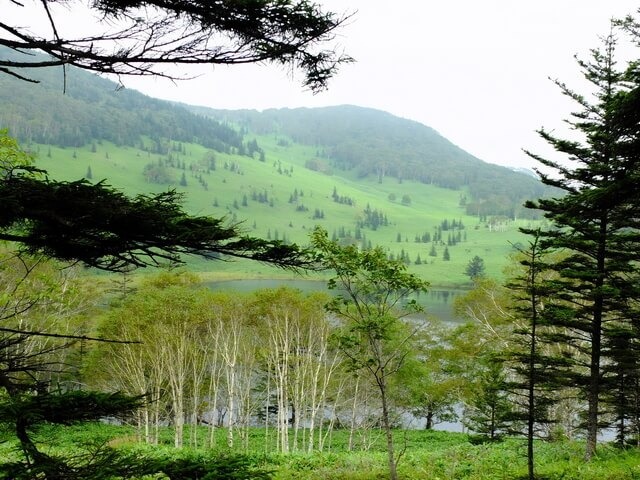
(475, 268)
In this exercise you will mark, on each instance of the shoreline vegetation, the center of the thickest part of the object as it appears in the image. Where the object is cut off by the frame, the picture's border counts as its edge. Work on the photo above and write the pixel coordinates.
(429, 454)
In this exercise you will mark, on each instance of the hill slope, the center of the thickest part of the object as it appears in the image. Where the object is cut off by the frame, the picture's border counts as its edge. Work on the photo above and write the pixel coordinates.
(363, 175)
(93, 108)
(374, 144)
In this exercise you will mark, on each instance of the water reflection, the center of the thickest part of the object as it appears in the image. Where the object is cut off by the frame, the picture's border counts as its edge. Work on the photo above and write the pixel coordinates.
(437, 303)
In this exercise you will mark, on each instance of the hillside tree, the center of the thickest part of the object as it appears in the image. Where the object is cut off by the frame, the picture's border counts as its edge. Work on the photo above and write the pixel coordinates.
(475, 268)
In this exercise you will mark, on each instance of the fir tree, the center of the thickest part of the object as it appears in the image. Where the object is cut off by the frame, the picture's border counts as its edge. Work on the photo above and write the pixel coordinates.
(596, 221)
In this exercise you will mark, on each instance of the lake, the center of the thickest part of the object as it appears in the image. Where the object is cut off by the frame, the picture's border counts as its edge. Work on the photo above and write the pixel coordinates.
(438, 303)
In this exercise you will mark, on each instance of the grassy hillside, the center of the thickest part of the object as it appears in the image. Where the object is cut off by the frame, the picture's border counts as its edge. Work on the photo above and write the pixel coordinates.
(368, 143)
(364, 175)
(262, 195)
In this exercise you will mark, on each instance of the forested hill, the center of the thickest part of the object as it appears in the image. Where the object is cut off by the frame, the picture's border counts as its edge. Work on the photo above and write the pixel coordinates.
(84, 107)
(370, 142)
(348, 141)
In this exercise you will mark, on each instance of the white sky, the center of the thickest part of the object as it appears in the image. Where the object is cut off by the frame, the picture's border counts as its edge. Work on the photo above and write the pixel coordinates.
(475, 71)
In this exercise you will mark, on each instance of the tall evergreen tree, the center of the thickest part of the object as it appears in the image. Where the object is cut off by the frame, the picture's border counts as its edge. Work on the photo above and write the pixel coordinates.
(594, 222)
(534, 381)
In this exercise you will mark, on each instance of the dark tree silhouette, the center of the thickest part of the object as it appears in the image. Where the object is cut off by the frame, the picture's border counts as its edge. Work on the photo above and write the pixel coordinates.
(596, 222)
(103, 228)
(475, 268)
(134, 37)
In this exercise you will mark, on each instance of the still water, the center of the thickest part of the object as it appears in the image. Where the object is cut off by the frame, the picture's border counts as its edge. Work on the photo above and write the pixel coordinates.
(438, 303)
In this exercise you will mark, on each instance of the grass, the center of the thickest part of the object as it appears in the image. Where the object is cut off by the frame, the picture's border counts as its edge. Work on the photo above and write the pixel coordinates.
(282, 174)
(429, 455)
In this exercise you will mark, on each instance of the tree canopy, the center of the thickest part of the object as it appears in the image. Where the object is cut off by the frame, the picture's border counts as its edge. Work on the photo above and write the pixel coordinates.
(133, 37)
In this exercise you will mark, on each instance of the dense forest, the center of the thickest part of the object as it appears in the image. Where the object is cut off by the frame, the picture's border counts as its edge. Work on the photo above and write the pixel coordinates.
(78, 108)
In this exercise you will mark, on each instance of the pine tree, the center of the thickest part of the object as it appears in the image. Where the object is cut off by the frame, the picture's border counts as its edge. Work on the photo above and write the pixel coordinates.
(475, 268)
(535, 376)
(445, 256)
(490, 409)
(596, 221)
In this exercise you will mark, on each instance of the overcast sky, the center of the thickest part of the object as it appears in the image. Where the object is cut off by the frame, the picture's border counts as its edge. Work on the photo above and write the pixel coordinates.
(475, 71)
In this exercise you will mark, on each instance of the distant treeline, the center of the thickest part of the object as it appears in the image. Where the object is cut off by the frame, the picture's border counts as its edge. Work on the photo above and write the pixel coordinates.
(84, 107)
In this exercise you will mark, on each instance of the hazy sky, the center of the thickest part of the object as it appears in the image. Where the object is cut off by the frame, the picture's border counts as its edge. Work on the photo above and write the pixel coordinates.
(475, 71)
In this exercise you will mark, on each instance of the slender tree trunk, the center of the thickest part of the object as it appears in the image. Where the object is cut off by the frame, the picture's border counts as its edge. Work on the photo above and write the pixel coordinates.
(393, 474)
(531, 393)
(593, 393)
(429, 424)
(531, 381)
(354, 407)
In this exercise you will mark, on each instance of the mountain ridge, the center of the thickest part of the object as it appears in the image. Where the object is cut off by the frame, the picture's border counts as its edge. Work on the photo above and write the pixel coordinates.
(371, 142)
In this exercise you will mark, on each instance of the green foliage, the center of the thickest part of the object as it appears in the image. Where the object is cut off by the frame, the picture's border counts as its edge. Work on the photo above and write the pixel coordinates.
(429, 455)
(475, 268)
(11, 155)
(157, 173)
(27, 412)
(104, 228)
(199, 466)
(66, 407)
(489, 413)
(596, 224)
(372, 296)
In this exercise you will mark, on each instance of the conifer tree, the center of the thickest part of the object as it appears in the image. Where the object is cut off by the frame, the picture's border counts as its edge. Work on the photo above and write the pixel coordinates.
(141, 38)
(596, 220)
(535, 376)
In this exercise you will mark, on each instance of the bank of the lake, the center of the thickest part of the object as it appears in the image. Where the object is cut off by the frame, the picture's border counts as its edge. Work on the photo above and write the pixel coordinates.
(437, 302)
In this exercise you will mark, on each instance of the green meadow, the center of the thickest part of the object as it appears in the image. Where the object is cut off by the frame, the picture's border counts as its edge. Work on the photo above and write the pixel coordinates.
(429, 455)
(292, 195)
